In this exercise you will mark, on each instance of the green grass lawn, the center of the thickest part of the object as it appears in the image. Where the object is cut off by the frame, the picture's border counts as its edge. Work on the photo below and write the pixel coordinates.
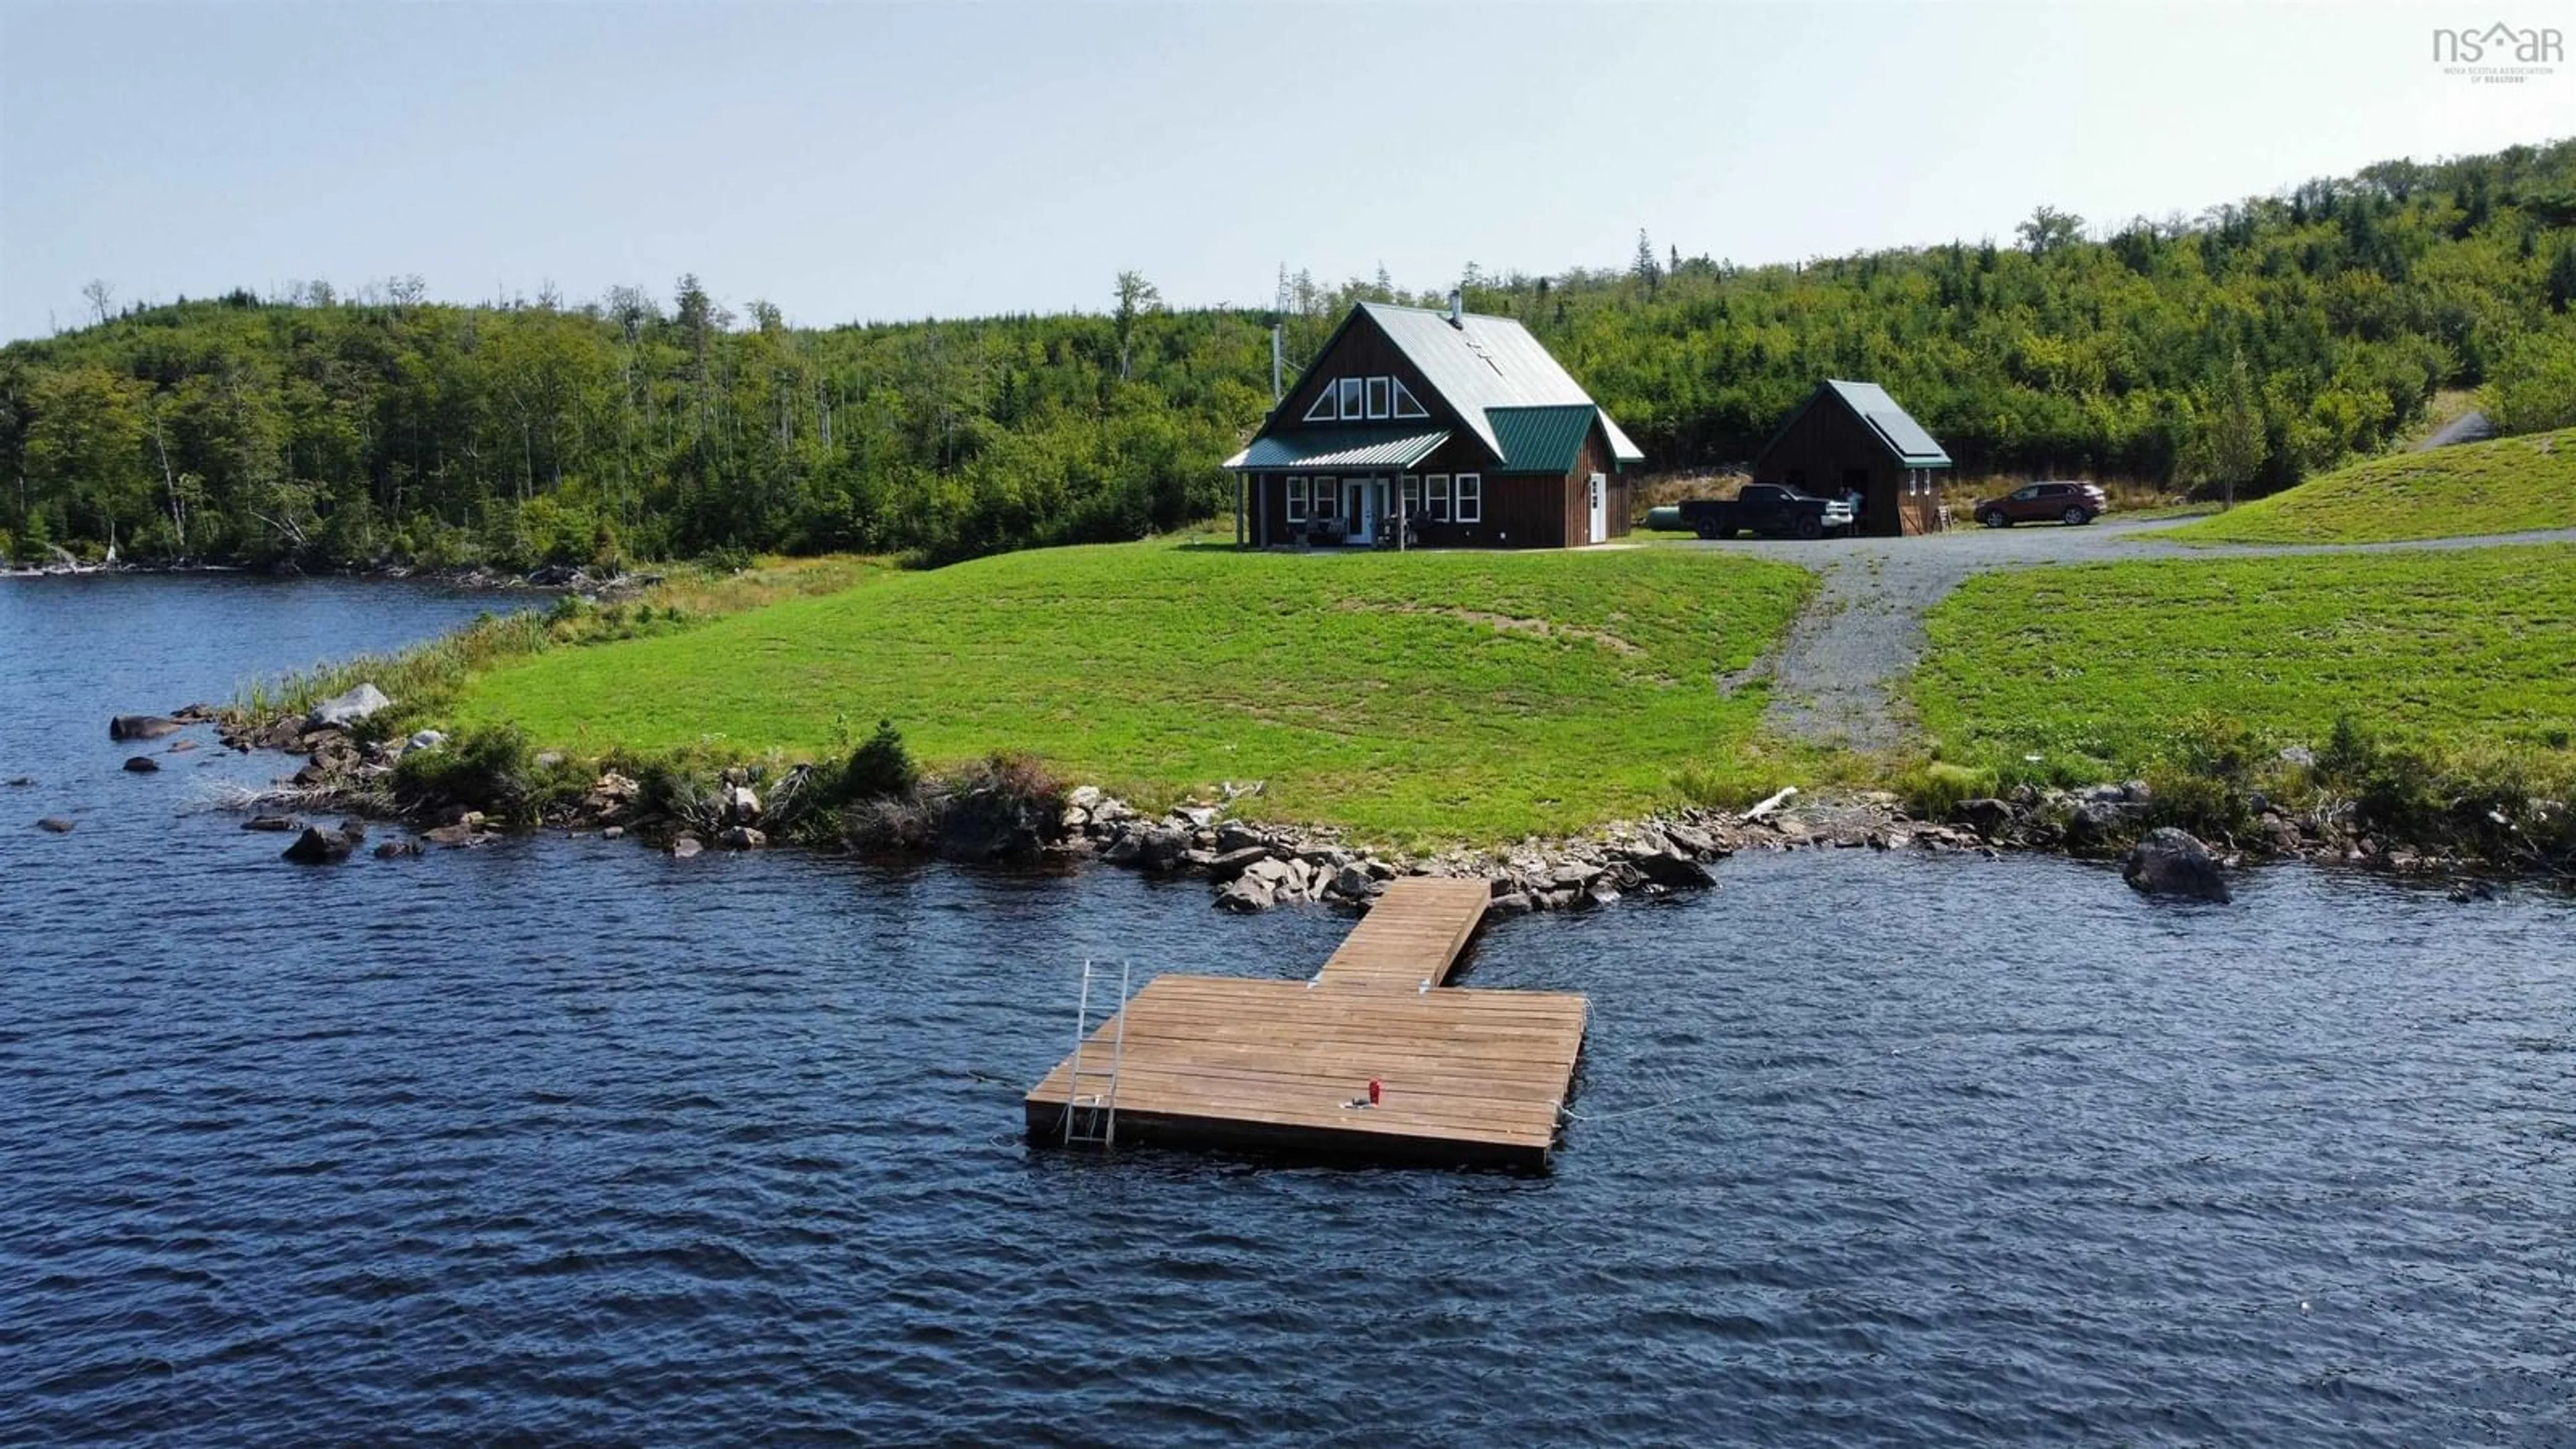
(2509, 485)
(1428, 696)
(2095, 667)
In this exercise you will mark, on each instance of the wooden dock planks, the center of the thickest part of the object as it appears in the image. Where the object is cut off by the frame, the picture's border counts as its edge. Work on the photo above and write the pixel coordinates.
(1414, 933)
(1464, 1076)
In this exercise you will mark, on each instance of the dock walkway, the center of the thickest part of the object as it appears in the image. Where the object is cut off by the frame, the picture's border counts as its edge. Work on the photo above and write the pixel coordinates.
(1464, 1075)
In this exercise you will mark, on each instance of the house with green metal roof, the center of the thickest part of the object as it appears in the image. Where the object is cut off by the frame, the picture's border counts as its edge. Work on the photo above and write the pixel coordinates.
(1851, 440)
(1420, 427)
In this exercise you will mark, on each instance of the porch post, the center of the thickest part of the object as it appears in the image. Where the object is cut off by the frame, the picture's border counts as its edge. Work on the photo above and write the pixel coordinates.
(1241, 484)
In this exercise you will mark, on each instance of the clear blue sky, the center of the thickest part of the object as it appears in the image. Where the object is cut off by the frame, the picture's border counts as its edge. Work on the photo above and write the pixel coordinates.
(859, 161)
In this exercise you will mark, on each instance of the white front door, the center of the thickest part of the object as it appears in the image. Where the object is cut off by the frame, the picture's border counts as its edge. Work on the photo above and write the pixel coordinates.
(1600, 509)
(1359, 508)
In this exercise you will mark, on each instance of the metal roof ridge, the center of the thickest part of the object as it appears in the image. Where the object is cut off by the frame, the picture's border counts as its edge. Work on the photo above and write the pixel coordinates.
(1440, 312)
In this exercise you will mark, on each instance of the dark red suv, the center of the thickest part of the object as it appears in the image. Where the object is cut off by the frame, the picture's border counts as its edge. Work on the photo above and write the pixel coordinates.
(2070, 502)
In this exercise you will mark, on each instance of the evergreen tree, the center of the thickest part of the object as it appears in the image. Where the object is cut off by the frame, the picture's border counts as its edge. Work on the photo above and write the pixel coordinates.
(2562, 277)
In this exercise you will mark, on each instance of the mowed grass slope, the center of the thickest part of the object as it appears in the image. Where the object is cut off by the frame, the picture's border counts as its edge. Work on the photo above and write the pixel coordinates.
(2509, 485)
(1471, 696)
(2095, 668)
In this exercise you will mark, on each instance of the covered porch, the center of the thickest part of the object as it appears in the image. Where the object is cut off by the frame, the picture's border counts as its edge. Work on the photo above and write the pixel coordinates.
(1331, 488)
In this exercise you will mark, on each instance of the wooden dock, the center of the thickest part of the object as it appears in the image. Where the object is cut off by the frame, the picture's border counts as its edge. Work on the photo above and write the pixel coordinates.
(1465, 1076)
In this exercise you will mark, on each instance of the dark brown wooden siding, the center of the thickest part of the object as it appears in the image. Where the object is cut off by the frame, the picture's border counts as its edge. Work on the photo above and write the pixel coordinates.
(1521, 510)
(1595, 458)
(1361, 351)
(1828, 450)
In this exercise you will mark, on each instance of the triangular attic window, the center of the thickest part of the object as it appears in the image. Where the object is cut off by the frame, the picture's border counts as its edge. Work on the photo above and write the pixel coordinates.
(1405, 406)
(1323, 410)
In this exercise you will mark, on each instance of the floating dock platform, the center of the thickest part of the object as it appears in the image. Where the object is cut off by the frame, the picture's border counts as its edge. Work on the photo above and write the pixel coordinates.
(1463, 1076)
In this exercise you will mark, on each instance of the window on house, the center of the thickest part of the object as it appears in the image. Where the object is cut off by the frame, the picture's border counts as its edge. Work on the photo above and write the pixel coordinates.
(1471, 498)
(1413, 495)
(1435, 500)
(1405, 406)
(1296, 500)
(1324, 411)
(1377, 396)
(1354, 404)
(1328, 499)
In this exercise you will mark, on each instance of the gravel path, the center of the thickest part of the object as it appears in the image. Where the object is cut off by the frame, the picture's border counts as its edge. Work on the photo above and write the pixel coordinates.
(1833, 676)
(2469, 427)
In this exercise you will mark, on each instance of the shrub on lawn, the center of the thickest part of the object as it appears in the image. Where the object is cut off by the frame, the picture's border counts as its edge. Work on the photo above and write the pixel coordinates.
(681, 785)
(880, 768)
(1719, 789)
(489, 768)
(1002, 805)
(1931, 791)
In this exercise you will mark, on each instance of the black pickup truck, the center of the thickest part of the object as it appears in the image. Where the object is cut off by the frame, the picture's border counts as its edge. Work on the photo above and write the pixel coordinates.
(1769, 510)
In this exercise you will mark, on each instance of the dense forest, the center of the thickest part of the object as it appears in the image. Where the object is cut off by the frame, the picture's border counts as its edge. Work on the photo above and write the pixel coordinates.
(2252, 345)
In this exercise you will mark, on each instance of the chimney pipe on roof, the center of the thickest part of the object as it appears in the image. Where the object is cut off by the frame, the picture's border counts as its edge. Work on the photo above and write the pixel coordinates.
(1457, 309)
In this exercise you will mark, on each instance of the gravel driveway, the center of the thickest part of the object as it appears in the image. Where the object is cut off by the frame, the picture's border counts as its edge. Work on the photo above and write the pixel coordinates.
(1833, 675)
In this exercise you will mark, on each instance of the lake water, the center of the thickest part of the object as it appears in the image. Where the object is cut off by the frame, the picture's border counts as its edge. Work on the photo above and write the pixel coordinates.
(566, 1141)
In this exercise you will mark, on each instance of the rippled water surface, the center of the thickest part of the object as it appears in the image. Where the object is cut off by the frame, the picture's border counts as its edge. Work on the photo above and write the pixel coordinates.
(565, 1140)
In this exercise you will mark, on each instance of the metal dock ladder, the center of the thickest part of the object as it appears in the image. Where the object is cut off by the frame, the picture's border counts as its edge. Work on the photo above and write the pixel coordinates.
(1091, 1092)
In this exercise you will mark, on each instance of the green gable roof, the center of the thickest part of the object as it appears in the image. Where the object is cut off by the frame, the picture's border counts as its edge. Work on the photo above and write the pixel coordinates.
(1542, 439)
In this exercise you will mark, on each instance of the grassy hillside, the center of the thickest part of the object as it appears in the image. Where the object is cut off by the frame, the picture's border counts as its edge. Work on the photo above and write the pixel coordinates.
(2506, 486)
(2109, 669)
(1463, 696)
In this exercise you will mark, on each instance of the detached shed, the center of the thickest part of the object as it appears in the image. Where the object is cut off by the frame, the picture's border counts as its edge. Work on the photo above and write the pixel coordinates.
(1851, 437)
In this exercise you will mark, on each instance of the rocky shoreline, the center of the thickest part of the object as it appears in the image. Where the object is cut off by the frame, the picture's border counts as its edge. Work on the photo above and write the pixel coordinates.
(550, 578)
(1252, 866)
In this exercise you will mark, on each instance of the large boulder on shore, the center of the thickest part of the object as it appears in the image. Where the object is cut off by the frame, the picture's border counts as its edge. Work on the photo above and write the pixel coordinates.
(343, 710)
(2098, 826)
(2171, 862)
(1233, 863)
(1692, 841)
(142, 726)
(1989, 817)
(1159, 847)
(1355, 882)
(1234, 837)
(1672, 870)
(1245, 895)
